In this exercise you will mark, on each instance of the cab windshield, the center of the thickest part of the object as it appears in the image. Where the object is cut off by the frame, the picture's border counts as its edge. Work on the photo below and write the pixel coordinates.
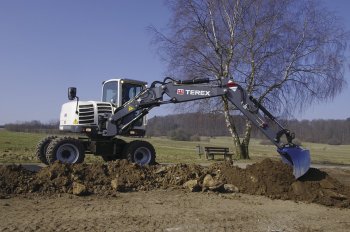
(110, 92)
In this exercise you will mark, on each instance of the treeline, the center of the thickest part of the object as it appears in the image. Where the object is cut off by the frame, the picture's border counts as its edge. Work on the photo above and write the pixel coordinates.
(191, 126)
(334, 132)
(34, 126)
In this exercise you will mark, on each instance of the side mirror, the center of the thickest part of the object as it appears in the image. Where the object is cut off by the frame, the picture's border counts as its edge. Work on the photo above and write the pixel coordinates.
(72, 93)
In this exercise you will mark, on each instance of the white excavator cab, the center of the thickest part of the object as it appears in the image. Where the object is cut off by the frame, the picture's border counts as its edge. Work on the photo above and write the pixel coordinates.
(120, 91)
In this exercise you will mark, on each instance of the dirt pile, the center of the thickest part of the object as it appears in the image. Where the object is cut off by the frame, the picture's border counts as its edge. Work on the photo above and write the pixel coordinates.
(275, 180)
(15, 179)
(269, 178)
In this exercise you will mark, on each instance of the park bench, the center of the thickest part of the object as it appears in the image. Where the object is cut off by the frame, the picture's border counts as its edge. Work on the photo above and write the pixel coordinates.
(210, 152)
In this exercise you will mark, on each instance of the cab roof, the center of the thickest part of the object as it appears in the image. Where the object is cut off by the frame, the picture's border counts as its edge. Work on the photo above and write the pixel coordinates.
(125, 80)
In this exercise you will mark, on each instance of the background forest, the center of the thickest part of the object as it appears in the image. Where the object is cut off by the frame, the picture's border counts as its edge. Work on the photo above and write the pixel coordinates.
(190, 126)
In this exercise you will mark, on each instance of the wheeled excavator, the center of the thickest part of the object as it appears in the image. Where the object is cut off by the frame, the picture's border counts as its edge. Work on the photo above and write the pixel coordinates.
(122, 112)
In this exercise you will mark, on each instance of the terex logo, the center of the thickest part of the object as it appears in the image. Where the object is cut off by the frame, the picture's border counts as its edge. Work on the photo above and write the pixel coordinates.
(180, 92)
(193, 92)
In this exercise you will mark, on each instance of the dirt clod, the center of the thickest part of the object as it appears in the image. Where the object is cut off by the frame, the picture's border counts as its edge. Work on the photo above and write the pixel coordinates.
(79, 189)
(192, 185)
(269, 178)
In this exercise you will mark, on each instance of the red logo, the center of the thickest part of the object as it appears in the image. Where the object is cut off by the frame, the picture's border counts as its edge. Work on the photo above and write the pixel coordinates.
(180, 92)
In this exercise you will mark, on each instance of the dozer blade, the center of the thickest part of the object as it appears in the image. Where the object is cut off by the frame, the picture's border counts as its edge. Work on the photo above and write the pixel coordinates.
(296, 157)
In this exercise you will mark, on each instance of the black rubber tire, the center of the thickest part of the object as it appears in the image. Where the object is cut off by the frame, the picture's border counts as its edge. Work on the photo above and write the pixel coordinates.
(140, 152)
(66, 150)
(41, 148)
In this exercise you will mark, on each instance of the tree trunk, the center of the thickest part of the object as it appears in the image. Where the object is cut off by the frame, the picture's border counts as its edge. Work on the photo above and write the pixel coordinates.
(241, 148)
(244, 151)
(246, 140)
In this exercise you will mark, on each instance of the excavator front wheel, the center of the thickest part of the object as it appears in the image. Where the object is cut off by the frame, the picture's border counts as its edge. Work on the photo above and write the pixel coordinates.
(42, 147)
(65, 149)
(140, 152)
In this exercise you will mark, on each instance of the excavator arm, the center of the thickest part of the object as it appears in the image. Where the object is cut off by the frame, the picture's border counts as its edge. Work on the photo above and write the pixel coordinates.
(174, 91)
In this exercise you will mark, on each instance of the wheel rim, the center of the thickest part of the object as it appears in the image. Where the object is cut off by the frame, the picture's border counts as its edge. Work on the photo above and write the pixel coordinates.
(142, 156)
(67, 153)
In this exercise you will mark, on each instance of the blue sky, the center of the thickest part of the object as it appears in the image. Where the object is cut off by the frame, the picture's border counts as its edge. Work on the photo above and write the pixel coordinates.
(47, 46)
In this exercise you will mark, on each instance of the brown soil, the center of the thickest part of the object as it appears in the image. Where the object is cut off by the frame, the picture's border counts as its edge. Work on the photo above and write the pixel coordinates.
(168, 210)
(275, 180)
(268, 178)
(120, 196)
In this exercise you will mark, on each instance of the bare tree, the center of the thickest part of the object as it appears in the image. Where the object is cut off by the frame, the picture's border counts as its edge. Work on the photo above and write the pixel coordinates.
(287, 53)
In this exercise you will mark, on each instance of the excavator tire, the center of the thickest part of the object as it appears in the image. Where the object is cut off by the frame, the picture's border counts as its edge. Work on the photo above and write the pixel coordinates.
(140, 152)
(42, 147)
(65, 149)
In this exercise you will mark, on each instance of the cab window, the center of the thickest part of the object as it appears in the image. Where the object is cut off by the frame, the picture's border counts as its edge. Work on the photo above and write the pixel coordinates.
(110, 92)
(130, 91)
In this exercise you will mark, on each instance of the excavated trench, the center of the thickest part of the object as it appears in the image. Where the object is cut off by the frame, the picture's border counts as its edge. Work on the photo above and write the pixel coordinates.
(269, 178)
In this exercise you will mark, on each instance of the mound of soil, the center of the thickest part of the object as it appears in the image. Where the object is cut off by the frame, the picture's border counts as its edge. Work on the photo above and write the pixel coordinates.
(269, 178)
(275, 180)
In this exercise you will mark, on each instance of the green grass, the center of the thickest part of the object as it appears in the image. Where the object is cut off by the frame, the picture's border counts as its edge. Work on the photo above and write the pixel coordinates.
(20, 147)
(332, 154)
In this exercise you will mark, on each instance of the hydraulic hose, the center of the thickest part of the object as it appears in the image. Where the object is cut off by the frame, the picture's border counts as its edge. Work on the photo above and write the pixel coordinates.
(194, 81)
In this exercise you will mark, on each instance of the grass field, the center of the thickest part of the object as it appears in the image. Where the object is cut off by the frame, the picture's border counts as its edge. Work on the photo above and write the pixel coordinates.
(18, 147)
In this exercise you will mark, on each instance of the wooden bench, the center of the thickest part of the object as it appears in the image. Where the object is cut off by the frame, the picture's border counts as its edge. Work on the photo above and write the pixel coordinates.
(210, 152)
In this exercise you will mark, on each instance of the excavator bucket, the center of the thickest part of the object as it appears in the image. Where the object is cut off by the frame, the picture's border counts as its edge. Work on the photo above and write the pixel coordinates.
(296, 157)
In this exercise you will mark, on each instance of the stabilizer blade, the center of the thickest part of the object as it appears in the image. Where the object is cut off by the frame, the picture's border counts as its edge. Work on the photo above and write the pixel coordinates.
(296, 157)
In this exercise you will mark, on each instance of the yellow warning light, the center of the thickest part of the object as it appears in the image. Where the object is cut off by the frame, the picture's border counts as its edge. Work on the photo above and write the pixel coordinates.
(75, 121)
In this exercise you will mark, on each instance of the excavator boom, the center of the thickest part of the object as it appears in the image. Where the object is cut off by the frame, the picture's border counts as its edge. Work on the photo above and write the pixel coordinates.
(183, 91)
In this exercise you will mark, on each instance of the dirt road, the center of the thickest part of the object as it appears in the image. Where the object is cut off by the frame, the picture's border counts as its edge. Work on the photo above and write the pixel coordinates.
(168, 210)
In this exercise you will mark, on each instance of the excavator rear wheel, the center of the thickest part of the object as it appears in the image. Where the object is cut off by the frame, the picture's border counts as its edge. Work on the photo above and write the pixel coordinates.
(65, 149)
(140, 152)
(42, 147)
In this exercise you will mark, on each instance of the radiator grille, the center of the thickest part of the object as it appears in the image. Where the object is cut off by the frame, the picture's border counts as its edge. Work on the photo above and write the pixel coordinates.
(86, 112)
(103, 108)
